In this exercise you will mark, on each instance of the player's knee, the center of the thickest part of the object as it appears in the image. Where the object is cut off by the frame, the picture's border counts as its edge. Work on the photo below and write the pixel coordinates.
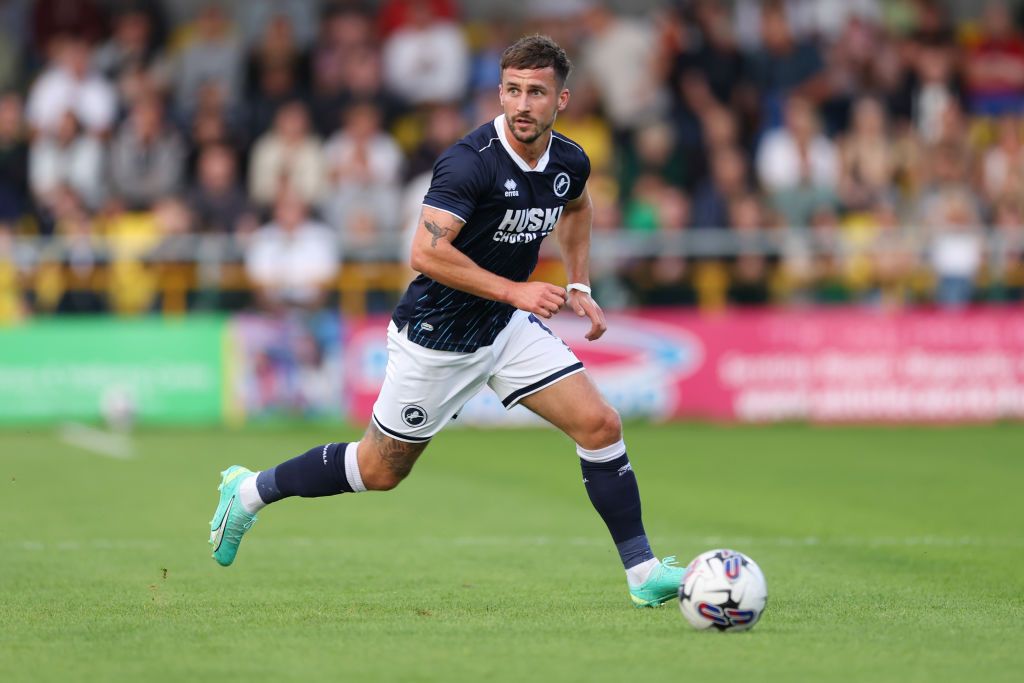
(379, 475)
(602, 430)
(385, 462)
(382, 480)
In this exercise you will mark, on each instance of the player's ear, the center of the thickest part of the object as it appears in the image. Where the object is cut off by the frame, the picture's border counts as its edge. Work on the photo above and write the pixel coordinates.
(563, 99)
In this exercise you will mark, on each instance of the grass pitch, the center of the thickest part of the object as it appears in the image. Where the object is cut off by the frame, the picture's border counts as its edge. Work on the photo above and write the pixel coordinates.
(891, 555)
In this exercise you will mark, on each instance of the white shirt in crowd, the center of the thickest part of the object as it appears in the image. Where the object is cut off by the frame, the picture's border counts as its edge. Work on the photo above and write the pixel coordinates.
(428, 64)
(92, 100)
(295, 264)
(780, 165)
(79, 165)
(383, 157)
(621, 64)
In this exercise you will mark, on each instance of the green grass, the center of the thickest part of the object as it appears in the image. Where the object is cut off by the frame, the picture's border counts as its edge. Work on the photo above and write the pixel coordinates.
(891, 555)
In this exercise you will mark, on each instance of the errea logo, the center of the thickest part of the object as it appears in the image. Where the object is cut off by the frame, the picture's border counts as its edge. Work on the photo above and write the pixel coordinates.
(510, 188)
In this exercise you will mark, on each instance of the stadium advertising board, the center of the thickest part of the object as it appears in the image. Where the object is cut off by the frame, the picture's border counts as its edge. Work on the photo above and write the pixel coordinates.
(824, 366)
(83, 369)
(286, 366)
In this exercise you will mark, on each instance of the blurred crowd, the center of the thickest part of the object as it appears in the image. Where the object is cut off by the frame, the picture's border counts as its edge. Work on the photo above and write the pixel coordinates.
(878, 143)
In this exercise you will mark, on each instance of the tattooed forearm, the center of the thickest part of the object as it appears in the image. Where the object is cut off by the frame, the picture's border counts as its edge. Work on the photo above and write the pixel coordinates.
(436, 230)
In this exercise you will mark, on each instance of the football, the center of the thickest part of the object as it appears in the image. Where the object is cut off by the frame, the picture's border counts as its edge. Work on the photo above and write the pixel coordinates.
(724, 590)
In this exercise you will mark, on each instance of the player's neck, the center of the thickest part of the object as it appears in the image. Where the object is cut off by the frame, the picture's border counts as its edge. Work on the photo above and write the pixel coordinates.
(528, 152)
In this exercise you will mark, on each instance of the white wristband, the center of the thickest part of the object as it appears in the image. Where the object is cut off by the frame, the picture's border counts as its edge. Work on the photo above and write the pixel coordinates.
(579, 286)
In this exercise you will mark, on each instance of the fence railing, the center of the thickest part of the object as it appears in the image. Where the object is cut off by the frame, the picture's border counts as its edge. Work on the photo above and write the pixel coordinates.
(166, 274)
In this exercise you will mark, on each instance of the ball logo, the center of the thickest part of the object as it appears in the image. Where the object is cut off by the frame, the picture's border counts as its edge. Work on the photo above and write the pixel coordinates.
(732, 566)
(725, 617)
(414, 416)
(561, 184)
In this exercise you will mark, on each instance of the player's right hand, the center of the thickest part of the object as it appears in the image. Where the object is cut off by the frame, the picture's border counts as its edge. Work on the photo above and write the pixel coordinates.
(542, 298)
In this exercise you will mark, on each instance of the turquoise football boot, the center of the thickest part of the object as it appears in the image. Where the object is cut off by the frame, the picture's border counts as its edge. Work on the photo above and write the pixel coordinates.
(230, 521)
(661, 586)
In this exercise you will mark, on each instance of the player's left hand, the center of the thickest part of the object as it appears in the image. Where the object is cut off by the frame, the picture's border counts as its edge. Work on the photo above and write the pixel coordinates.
(584, 305)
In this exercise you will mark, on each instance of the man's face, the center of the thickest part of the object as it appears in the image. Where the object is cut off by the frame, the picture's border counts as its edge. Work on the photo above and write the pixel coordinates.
(531, 99)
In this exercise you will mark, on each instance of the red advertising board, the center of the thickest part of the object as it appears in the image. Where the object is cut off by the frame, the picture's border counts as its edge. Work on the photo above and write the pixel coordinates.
(827, 366)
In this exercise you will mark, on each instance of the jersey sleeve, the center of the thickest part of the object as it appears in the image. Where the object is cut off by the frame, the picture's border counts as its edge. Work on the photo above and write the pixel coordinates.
(460, 177)
(582, 174)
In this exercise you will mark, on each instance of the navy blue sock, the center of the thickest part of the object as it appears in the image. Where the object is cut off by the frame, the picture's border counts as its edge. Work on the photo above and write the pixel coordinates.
(318, 472)
(613, 491)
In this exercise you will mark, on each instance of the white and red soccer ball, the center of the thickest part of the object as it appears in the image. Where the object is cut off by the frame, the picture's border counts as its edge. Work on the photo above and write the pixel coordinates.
(724, 590)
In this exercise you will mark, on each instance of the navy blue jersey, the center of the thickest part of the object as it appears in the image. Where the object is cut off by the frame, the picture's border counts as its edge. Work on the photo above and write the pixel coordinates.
(508, 208)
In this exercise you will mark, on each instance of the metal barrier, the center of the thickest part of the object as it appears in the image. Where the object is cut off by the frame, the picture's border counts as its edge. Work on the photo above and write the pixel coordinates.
(172, 269)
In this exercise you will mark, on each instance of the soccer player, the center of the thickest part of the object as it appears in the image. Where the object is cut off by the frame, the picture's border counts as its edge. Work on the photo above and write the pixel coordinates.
(471, 318)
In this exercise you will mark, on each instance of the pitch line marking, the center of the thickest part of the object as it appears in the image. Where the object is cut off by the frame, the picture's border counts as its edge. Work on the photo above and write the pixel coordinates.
(97, 441)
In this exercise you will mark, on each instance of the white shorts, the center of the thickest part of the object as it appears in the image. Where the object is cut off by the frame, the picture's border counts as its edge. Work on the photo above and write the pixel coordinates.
(425, 388)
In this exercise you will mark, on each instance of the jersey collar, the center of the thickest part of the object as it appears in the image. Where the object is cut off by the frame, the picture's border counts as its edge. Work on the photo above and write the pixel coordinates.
(542, 163)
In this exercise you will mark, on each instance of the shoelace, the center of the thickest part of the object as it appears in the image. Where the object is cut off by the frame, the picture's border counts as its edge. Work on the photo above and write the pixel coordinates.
(670, 561)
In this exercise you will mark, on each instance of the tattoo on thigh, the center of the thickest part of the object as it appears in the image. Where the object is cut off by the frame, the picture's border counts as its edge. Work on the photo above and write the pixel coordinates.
(398, 456)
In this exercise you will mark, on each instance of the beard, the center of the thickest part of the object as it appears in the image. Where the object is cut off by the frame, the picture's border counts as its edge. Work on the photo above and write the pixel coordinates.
(538, 129)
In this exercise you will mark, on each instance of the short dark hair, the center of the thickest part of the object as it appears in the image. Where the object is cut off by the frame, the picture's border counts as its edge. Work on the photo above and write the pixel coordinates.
(537, 52)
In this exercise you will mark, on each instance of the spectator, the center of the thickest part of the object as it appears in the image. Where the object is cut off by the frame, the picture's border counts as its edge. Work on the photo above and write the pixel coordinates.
(715, 53)
(147, 158)
(747, 214)
(619, 56)
(217, 199)
(748, 285)
(278, 53)
(70, 84)
(211, 126)
(657, 206)
(1002, 167)
(67, 158)
(363, 170)
(653, 151)
(289, 157)
(729, 180)
(364, 82)
(255, 16)
(426, 60)
(934, 88)
(994, 64)
(132, 48)
(173, 221)
(346, 69)
(956, 248)
(292, 260)
(719, 129)
(785, 67)
(211, 58)
(947, 172)
(797, 165)
(328, 63)
(867, 160)
(13, 160)
(277, 88)
(583, 123)
(1007, 277)
(445, 125)
(74, 262)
